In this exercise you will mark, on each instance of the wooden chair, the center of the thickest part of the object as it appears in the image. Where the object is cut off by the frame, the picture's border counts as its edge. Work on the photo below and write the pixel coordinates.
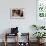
(8, 34)
(25, 36)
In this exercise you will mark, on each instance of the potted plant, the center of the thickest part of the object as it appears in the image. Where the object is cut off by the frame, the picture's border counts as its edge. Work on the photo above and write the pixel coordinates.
(39, 35)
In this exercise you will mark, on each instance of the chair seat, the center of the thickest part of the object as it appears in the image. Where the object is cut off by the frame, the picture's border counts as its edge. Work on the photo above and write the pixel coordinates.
(9, 34)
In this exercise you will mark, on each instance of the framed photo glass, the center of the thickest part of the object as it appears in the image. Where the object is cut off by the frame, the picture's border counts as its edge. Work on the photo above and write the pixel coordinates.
(41, 12)
(41, 8)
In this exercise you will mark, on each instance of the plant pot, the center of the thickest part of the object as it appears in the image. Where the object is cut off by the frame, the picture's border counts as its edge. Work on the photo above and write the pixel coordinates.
(40, 41)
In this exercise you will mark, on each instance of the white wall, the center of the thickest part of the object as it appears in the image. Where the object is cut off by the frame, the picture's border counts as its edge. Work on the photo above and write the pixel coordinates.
(23, 24)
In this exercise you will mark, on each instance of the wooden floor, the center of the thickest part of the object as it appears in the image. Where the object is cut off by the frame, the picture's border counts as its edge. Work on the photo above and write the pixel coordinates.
(13, 44)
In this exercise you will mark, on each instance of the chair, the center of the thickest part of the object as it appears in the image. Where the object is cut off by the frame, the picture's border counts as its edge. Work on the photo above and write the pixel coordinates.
(14, 32)
(26, 41)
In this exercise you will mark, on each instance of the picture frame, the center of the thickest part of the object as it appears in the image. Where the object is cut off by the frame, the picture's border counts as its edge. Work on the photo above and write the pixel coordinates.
(41, 8)
(40, 12)
(16, 13)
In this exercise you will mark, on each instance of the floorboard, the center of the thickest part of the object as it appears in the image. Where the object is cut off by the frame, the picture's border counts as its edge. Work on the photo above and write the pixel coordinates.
(13, 44)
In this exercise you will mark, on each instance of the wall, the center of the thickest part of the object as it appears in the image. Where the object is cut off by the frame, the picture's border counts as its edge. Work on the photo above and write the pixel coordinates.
(23, 24)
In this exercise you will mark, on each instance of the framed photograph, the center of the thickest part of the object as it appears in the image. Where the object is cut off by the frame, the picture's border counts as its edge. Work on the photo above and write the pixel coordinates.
(17, 13)
(41, 8)
(41, 12)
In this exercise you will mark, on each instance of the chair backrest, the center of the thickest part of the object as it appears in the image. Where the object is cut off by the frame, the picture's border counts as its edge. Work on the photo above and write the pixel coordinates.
(14, 30)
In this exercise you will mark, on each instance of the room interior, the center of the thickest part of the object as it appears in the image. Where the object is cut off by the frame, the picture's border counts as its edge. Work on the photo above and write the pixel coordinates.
(22, 22)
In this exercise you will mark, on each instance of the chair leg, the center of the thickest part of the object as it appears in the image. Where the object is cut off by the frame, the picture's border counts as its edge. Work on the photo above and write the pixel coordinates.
(17, 39)
(5, 43)
(5, 40)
